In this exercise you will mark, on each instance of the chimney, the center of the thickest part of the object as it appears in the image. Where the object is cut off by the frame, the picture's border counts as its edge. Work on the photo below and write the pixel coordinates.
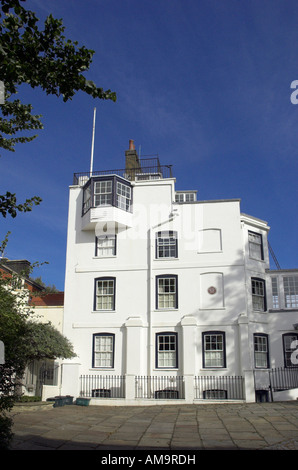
(132, 162)
(21, 266)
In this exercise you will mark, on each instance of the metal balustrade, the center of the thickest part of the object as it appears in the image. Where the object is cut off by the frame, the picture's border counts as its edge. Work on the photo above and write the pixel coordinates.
(219, 387)
(159, 387)
(102, 386)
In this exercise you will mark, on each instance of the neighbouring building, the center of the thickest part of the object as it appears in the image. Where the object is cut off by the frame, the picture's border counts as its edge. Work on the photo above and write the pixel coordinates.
(168, 297)
(43, 377)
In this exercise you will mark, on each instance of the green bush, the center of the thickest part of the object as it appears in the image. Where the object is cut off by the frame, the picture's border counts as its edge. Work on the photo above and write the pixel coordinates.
(6, 434)
(27, 399)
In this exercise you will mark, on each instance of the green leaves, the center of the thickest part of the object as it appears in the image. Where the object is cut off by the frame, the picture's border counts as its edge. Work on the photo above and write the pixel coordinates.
(43, 341)
(41, 58)
(8, 204)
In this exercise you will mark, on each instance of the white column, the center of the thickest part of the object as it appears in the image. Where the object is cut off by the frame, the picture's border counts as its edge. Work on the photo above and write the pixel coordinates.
(245, 358)
(134, 327)
(189, 326)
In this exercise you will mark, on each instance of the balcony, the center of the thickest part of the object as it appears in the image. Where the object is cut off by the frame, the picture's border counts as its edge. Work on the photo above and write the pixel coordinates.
(106, 200)
(108, 195)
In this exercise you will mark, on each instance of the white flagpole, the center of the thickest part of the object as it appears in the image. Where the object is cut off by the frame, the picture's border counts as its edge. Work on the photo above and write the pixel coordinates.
(92, 146)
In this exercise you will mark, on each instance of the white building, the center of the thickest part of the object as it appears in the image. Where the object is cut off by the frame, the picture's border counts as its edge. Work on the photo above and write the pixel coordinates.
(169, 297)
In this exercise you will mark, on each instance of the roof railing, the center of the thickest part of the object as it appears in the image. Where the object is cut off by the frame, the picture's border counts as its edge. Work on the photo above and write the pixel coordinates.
(132, 174)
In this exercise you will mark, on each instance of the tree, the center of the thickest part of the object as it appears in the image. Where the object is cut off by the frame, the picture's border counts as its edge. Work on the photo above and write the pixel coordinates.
(47, 289)
(40, 58)
(44, 341)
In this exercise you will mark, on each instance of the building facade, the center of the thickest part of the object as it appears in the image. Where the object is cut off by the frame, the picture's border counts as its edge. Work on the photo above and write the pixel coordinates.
(168, 297)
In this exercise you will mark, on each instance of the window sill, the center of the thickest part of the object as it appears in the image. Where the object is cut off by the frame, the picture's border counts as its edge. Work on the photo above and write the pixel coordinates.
(103, 311)
(104, 257)
(166, 310)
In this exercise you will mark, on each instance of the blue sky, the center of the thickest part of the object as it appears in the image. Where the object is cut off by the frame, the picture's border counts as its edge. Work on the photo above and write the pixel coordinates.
(205, 84)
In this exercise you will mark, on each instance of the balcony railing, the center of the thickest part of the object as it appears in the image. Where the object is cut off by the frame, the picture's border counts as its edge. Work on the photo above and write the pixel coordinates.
(146, 173)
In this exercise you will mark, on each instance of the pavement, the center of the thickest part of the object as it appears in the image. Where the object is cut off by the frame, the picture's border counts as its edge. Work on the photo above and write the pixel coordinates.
(171, 428)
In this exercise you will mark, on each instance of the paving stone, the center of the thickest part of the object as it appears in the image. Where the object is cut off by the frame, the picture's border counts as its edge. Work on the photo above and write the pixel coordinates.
(197, 427)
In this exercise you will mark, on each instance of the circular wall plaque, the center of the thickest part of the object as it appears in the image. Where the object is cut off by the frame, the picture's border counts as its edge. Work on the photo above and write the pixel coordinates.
(211, 290)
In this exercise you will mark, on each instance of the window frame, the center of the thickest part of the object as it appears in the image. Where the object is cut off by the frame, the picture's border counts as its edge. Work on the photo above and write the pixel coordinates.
(158, 335)
(253, 244)
(96, 295)
(290, 287)
(166, 235)
(255, 295)
(266, 353)
(107, 236)
(96, 335)
(166, 276)
(223, 350)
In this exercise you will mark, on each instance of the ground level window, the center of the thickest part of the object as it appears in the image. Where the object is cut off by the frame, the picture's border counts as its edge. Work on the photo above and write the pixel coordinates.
(103, 350)
(214, 349)
(166, 347)
(261, 351)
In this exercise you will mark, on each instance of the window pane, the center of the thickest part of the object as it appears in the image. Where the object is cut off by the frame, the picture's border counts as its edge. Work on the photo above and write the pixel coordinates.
(258, 295)
(255, 245)
(166, 351)
(275, 297)
(106, 245)
(87, 199)
(123, 196)
(105, 295)
(166, 245)
(291, 291)
(102, 193)
(103, 351)
(261, 351)
(214, 352)
(167, 293)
